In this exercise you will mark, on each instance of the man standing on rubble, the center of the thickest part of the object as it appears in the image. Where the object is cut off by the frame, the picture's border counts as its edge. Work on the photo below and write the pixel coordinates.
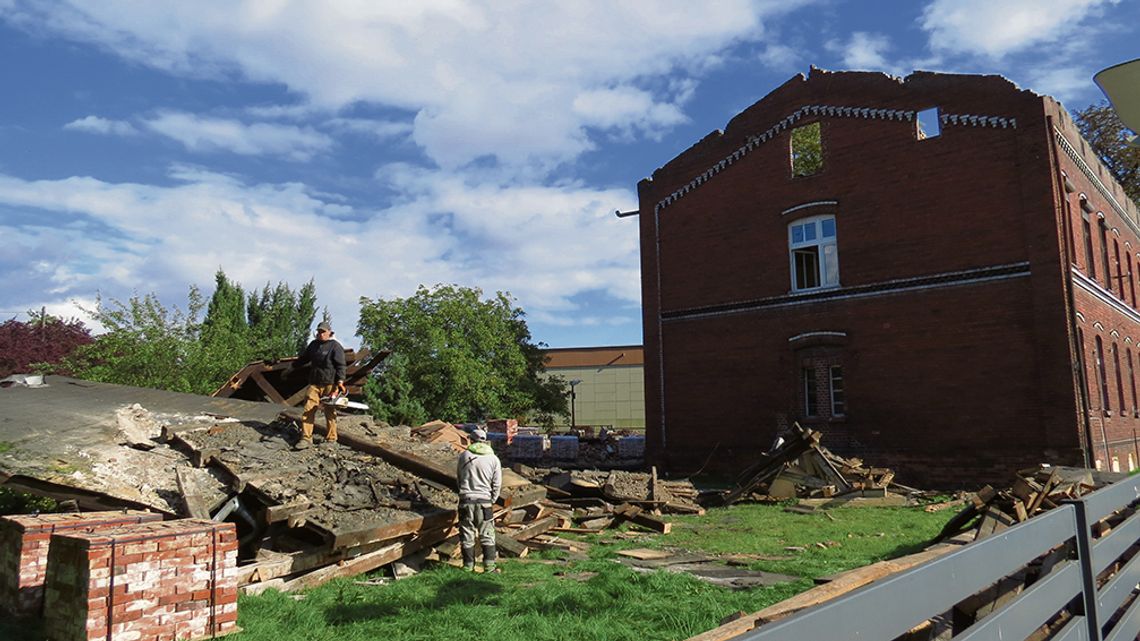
(480, 479)
(325, 358)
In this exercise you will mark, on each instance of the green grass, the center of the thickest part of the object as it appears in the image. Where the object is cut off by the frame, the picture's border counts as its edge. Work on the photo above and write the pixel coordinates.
(594, 599)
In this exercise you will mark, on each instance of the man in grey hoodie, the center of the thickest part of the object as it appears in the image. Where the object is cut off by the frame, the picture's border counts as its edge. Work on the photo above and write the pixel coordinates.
(480, 479)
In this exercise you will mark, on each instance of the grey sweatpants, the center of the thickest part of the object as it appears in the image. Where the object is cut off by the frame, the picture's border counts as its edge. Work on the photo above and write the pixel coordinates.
(472, 523)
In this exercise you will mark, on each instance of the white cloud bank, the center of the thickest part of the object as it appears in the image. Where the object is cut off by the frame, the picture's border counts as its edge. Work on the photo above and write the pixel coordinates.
(103, 126)
(543, 244)
(996, 28)
(516, 81)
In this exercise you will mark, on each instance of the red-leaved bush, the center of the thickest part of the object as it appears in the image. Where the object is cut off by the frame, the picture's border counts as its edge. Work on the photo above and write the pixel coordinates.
(46, 340)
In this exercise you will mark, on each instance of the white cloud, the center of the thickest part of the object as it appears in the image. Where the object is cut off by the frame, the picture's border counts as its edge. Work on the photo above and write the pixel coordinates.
(97, 125)
(485, 79)
(865, 51)
(202, 134)
(379, 129)
(1061, 82)
(625, 108)
(998, 28)
(545, 244)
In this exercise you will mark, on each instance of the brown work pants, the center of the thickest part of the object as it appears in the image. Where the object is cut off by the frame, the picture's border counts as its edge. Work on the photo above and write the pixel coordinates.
(312, 402)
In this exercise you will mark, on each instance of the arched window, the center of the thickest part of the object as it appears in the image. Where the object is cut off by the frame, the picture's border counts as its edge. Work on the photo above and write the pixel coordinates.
(1086, 233)
(1119, 379)
(1119, 272)
(1104, 253)
(813, 253)
(1132, 380)
(1131, 279)
(1100, 377)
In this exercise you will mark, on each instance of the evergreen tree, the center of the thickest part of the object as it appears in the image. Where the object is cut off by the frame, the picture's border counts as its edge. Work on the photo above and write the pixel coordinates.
(1101, 127)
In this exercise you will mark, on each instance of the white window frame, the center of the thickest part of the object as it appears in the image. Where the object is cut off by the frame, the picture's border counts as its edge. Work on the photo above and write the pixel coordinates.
(827, 251)
(831, 378)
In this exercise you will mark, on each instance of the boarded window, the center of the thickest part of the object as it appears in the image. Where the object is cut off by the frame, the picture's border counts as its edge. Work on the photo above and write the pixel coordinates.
(807, 150)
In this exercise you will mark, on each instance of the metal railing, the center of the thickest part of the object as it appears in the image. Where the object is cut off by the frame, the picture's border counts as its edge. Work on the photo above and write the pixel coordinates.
(1088, 594)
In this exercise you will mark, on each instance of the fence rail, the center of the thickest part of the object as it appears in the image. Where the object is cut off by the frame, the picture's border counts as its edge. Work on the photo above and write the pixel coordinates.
(1079, 576)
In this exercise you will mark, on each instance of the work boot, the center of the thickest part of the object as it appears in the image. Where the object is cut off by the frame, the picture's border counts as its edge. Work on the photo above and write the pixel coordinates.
(469, 558)
(303, 444)
(490, 554)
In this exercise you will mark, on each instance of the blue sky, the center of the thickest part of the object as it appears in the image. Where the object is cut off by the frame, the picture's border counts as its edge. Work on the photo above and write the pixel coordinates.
(375, 146)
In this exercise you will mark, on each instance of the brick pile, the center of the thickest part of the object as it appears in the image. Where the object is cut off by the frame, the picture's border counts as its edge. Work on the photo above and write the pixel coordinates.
(24, 543)
(146, 582)
(564, 447)
(507, 426)
(528, 447)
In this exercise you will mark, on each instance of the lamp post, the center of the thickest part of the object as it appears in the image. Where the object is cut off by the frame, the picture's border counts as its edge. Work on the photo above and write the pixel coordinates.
(573, 402)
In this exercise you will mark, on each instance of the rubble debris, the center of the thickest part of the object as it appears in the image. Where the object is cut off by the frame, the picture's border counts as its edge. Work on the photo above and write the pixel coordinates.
(612, 487)
(1034, 490)
(802, 468)
(281, 381)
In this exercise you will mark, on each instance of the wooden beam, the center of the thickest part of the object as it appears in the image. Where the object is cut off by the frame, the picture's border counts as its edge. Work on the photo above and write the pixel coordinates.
(508, 546)
(367, 562)
(194, 502)
(267, 389)
(635, 515)
(842, 584)
(540, 526)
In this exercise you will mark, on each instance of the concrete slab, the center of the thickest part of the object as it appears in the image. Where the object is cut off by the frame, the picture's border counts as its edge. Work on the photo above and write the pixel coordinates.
(69, 433)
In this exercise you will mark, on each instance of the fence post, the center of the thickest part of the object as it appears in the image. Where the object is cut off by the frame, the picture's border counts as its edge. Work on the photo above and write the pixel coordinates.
(1088, 577)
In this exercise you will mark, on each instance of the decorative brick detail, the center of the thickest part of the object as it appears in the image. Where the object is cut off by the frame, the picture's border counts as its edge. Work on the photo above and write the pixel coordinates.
(24, 541)
(146, 582)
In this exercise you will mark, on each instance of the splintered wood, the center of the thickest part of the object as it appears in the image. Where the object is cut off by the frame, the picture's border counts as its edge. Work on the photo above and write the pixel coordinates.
(802, 468)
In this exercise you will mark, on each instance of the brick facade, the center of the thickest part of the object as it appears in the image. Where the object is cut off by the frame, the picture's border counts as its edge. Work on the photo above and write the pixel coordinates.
(24, 541)
(148, 582)
(953, 324)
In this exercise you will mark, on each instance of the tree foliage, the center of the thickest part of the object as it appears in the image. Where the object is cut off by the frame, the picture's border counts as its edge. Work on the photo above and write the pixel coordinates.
(1100, 126)
(39, 344)
(458, 357)
(150, 345)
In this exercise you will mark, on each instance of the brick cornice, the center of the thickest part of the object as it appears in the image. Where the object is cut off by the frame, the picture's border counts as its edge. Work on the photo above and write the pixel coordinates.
(824, 111)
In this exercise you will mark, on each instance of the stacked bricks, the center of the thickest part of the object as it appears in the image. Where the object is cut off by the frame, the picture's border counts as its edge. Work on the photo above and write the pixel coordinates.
(147, 582)
(631, 447)
(507, 426)
(24, 544)
(564, 446)
(528, 447)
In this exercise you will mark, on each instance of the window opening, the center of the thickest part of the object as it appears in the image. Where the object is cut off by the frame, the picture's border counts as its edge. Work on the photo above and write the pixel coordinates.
(807, 150)
(1119, 378)
(1100, 377)
(838, 400)
(814, 254)
(1131, 379)
(928, 123)
(811, 407)
(1090, 264)
(1104, 253)
(1131, 281)
(1119, 271)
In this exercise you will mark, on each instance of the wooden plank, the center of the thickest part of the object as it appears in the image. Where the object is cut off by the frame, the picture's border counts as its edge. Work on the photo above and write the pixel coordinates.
(267, 389)
(388, 532)
(275, 513)
(636, 515)
(508, 546)
(368, 562)
(194, 502)
(644, 554)
(540, 526)
(840, 585)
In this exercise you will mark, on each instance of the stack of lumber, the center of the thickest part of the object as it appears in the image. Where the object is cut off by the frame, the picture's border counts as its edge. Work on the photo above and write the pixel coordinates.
(378, 496)
(617, 487)
(443, 432)
(1034, 490)
(802, 468)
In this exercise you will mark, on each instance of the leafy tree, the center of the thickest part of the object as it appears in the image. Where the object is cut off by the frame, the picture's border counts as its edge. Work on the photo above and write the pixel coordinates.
(280, 319)
(147, 345)
(1101, 127)
(458, 356)
(39, 344)
(391, 395)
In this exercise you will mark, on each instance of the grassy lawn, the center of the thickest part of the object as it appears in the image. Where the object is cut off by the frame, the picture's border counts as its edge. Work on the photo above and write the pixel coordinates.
(595, 598)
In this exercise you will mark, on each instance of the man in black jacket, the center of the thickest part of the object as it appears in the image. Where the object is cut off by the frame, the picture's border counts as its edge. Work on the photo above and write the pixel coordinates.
(325, 358)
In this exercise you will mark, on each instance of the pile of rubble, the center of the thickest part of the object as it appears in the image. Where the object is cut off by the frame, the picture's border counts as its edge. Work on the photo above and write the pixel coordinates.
(800, 467)
(1034, 490)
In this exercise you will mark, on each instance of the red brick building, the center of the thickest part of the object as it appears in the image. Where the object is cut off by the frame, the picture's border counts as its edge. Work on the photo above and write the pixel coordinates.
(935, 271)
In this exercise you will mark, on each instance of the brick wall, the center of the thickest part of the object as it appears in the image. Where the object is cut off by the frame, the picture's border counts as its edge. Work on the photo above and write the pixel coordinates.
(147, 582)
(24, 541)
(953, 309)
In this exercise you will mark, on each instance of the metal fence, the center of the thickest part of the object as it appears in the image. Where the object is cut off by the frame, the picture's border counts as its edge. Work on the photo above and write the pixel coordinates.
(1086, 591)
